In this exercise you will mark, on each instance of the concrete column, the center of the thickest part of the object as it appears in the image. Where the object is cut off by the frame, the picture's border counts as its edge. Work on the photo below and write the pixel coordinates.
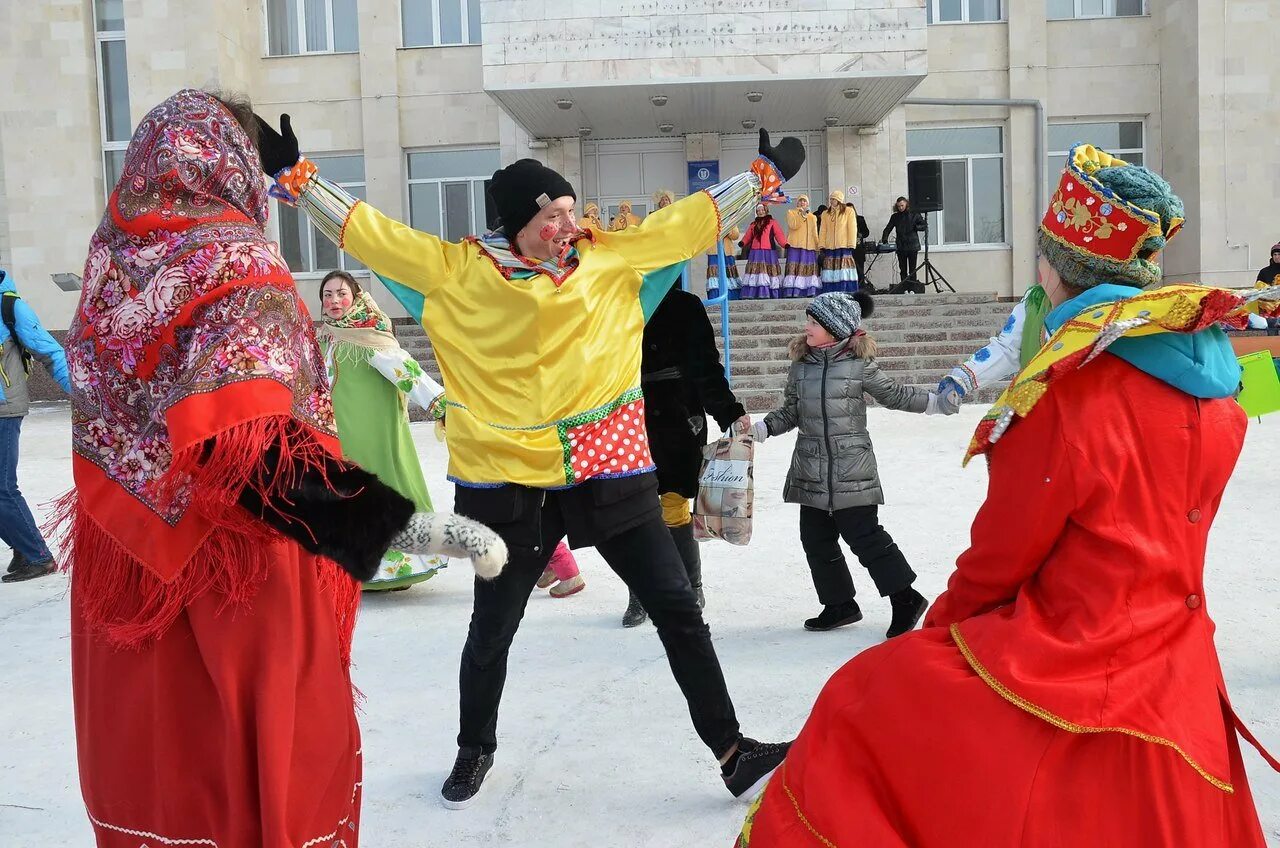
(384, 168)
(1028, 78)
(1180, 94)
(702, 147)
(836, 170)
(570, 162)
(874, 160)
(1230, 215)
(513, 139)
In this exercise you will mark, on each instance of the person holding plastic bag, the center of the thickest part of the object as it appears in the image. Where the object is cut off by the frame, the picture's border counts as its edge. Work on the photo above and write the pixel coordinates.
(683, 381)
(833, 473)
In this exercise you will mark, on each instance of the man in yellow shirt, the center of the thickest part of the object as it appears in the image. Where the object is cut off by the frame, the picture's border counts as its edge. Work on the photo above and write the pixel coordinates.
(537, 329)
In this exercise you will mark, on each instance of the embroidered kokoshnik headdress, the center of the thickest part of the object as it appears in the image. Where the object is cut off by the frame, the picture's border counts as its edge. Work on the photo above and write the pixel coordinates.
(1092, 220)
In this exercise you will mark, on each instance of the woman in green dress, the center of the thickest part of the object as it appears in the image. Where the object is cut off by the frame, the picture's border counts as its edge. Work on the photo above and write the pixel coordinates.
(372, 379)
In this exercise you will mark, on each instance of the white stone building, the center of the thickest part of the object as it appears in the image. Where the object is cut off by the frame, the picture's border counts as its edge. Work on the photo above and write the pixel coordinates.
(413, 103)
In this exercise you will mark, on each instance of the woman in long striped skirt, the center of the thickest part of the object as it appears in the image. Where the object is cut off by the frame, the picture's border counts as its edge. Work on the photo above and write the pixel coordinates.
(801, 279)
(837, 239)
(763, 278)
(730, 244)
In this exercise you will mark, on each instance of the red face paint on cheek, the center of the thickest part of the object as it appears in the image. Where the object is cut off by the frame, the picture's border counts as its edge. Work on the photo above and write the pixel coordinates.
(548, 232)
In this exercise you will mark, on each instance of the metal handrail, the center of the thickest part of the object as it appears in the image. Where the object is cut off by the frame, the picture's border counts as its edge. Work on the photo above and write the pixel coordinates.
(722, 300)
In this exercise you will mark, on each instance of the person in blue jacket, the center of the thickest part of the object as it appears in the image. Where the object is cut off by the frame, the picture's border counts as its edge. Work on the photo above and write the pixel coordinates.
(22, 338)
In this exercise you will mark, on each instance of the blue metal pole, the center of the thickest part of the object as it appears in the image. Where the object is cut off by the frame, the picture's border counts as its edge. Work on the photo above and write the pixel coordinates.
(722, 300)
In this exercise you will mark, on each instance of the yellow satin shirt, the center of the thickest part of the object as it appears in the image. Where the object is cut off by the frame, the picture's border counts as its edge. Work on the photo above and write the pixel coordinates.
(543, 378)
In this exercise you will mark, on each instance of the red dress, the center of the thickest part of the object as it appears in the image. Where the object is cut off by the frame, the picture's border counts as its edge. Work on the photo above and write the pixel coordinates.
(212, 701)
(1065, 690)
(234, 728)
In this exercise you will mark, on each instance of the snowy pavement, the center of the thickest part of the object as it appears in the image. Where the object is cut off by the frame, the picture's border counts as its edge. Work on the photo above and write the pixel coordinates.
(596, 744)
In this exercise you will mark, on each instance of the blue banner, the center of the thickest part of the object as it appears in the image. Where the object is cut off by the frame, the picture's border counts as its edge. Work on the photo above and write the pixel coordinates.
(703, 175)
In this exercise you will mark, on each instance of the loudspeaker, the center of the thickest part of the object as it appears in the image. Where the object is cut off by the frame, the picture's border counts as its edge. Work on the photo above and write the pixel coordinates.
(924, 185)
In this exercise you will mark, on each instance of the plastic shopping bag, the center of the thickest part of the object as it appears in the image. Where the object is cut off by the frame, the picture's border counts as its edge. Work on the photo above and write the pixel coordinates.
(726, 490)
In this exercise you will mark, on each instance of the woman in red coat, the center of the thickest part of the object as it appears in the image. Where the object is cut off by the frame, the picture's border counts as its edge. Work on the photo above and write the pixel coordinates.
(1065, 690)
(764, 238)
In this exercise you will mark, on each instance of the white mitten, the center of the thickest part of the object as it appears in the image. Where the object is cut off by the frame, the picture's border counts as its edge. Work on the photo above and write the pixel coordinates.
(759, 431)
(446, 533)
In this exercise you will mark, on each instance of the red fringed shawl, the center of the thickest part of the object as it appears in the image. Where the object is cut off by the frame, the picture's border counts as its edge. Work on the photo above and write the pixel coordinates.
(191, 354)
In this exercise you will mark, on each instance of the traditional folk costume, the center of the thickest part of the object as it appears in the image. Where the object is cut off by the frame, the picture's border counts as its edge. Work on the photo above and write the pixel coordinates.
(837, 239)
(372, 378)
(1008, 351)
(1074, 632)
(624, 218)
(210, 647)
(591, 218)
(214, 530)
(802, 278)
(546, 414)
(763, 275)
(730, 245)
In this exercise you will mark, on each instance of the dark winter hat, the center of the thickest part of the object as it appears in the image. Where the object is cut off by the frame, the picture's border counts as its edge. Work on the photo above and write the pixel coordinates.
(840, 313)
(520, 190)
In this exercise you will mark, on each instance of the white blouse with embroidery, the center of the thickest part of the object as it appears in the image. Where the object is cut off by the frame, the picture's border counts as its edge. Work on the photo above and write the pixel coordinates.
(999, 359)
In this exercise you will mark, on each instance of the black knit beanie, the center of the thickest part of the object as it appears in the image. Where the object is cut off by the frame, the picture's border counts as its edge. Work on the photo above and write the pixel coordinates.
(520, 190)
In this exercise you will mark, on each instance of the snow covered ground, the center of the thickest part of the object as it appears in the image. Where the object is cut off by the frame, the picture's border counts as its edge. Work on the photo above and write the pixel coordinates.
(596, 745)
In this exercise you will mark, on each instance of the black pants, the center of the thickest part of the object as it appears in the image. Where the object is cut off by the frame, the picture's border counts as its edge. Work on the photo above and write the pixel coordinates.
(907, 264)
(859, 526)
(646, 559)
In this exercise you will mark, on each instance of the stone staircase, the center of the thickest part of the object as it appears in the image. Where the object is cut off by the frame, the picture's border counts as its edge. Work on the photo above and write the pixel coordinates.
(920, 338)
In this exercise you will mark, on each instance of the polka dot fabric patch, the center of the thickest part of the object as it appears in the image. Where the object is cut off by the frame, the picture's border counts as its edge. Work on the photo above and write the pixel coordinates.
(614, 445)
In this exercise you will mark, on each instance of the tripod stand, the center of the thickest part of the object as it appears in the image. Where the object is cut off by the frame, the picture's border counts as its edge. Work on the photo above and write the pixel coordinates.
(932, 276)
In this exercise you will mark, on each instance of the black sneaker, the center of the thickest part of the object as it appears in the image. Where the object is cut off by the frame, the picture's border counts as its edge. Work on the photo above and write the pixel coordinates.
(746, 773)
(837, 615)
(30, 571)
(635, 614)
(908, 606)
(464, 782)
(17, 562)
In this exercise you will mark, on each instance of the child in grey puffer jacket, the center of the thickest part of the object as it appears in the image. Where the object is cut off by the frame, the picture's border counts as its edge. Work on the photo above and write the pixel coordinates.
(833, 474)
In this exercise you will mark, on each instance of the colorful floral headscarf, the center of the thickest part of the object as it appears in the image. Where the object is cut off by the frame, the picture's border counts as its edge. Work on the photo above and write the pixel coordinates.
(191, 354)
(364, 327)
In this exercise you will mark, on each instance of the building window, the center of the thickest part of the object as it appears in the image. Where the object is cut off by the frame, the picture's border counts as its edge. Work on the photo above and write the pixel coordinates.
(448, 191)
(1066, 9)
(312, 26)
(1119, 138)
(972, 182)
(305, 249)
(435, 23)
(962, 11)
(113, 88)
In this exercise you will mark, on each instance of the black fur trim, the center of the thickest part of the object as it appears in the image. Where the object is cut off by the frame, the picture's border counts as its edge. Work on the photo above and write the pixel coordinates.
(866, 301)
(344, 513)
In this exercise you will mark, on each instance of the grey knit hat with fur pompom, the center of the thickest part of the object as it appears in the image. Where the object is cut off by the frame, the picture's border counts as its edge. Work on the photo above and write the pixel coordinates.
(841, 313)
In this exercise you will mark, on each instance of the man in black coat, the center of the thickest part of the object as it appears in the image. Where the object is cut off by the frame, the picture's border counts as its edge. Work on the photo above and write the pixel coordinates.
(906, 226)
(683, 381)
